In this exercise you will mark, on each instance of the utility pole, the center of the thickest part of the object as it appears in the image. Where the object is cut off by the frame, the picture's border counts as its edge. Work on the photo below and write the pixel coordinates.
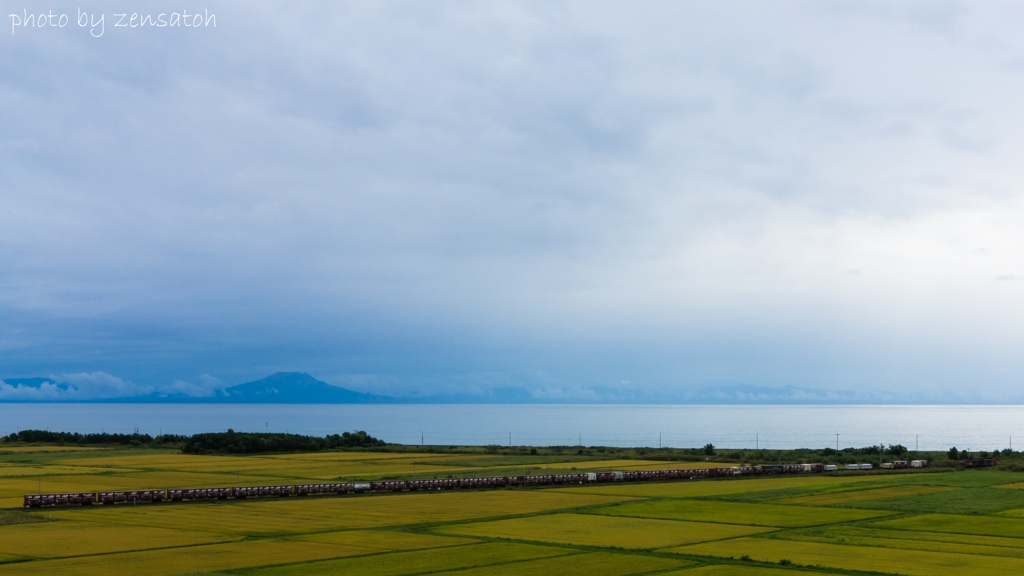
(837, 442)
(421, 438)
(757, 441)
(659, 440)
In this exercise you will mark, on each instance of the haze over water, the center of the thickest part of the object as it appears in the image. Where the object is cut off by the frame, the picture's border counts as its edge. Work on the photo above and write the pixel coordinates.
(772, 427)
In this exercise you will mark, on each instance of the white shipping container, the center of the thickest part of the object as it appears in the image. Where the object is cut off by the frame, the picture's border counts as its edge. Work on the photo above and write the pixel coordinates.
(918, 463)
(852, 466)
(866, 466)
(831, 467)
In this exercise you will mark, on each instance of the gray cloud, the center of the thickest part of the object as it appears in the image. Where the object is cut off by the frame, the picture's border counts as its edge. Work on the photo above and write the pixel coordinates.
(205, 387)
(421, 197)
(81, 386)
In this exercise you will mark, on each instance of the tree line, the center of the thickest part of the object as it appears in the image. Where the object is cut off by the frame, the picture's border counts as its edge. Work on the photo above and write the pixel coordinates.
(232, 442)
(229, 442)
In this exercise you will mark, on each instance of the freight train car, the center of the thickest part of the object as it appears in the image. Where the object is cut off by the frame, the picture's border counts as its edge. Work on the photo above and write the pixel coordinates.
(37, 500)
(263, 491)
(979, 462)
(332, 488)
(244, 492)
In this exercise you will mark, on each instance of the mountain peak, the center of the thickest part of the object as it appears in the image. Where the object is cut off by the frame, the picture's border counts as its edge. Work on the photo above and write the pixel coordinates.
(293, 388)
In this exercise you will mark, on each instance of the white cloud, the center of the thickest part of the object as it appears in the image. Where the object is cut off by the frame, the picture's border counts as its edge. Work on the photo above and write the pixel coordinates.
(206, 387)
(45, 391)
(78, 386)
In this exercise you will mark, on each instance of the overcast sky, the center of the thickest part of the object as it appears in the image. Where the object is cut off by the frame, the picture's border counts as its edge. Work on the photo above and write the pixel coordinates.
(427, 197)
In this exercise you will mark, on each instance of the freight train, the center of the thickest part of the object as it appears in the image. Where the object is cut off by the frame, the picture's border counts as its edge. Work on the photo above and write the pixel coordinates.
(283, 490)
(979, 462)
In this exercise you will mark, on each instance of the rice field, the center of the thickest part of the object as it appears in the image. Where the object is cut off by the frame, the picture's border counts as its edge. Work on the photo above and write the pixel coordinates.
(603, 531)
(85, 538)
(720, 487)
(862, 558)
(847, 497)
(738, 513)
(596, 564)
(957, 524)
(914, 523)
(380, 541)
(418, 562)
(855, 536)
(277, 517)
(739, 570)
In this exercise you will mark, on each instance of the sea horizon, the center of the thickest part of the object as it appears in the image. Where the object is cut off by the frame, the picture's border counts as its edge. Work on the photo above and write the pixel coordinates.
(917, 427)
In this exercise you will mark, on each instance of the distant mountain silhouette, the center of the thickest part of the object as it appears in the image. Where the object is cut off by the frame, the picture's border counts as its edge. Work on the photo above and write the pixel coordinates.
(301, 388)
(293, 388)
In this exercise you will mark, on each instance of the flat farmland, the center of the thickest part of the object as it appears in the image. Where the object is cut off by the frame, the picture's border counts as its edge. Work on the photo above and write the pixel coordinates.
(282, 516)
(85, 538)
(592, 530)
(418, 562)
(737, 513)
(384, 541)
(611, 465)
(357, 456)
(848, 535)
(740, 570)
(957, 524)
(596, 564)
(8, 470)
(878, 522)
(121, 480)
(212, 557)
(717, 487)
(863, 495)
(863, 558)
(311, 469)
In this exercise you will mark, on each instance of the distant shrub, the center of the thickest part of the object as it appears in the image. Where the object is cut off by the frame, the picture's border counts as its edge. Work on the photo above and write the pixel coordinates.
(232, 442)
(76, 438)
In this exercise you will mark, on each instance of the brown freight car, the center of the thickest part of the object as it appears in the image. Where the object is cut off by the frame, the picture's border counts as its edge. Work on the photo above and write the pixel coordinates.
(37, 500)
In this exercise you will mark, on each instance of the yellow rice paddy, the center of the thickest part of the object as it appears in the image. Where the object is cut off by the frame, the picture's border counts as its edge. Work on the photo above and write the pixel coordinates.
(863, 495)
(760, 526)
(592, 530)
(857, 557)
(293, 515)
(738, 513)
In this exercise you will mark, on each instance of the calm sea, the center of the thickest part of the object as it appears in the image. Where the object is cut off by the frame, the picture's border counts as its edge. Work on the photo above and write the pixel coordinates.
(924, 427)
